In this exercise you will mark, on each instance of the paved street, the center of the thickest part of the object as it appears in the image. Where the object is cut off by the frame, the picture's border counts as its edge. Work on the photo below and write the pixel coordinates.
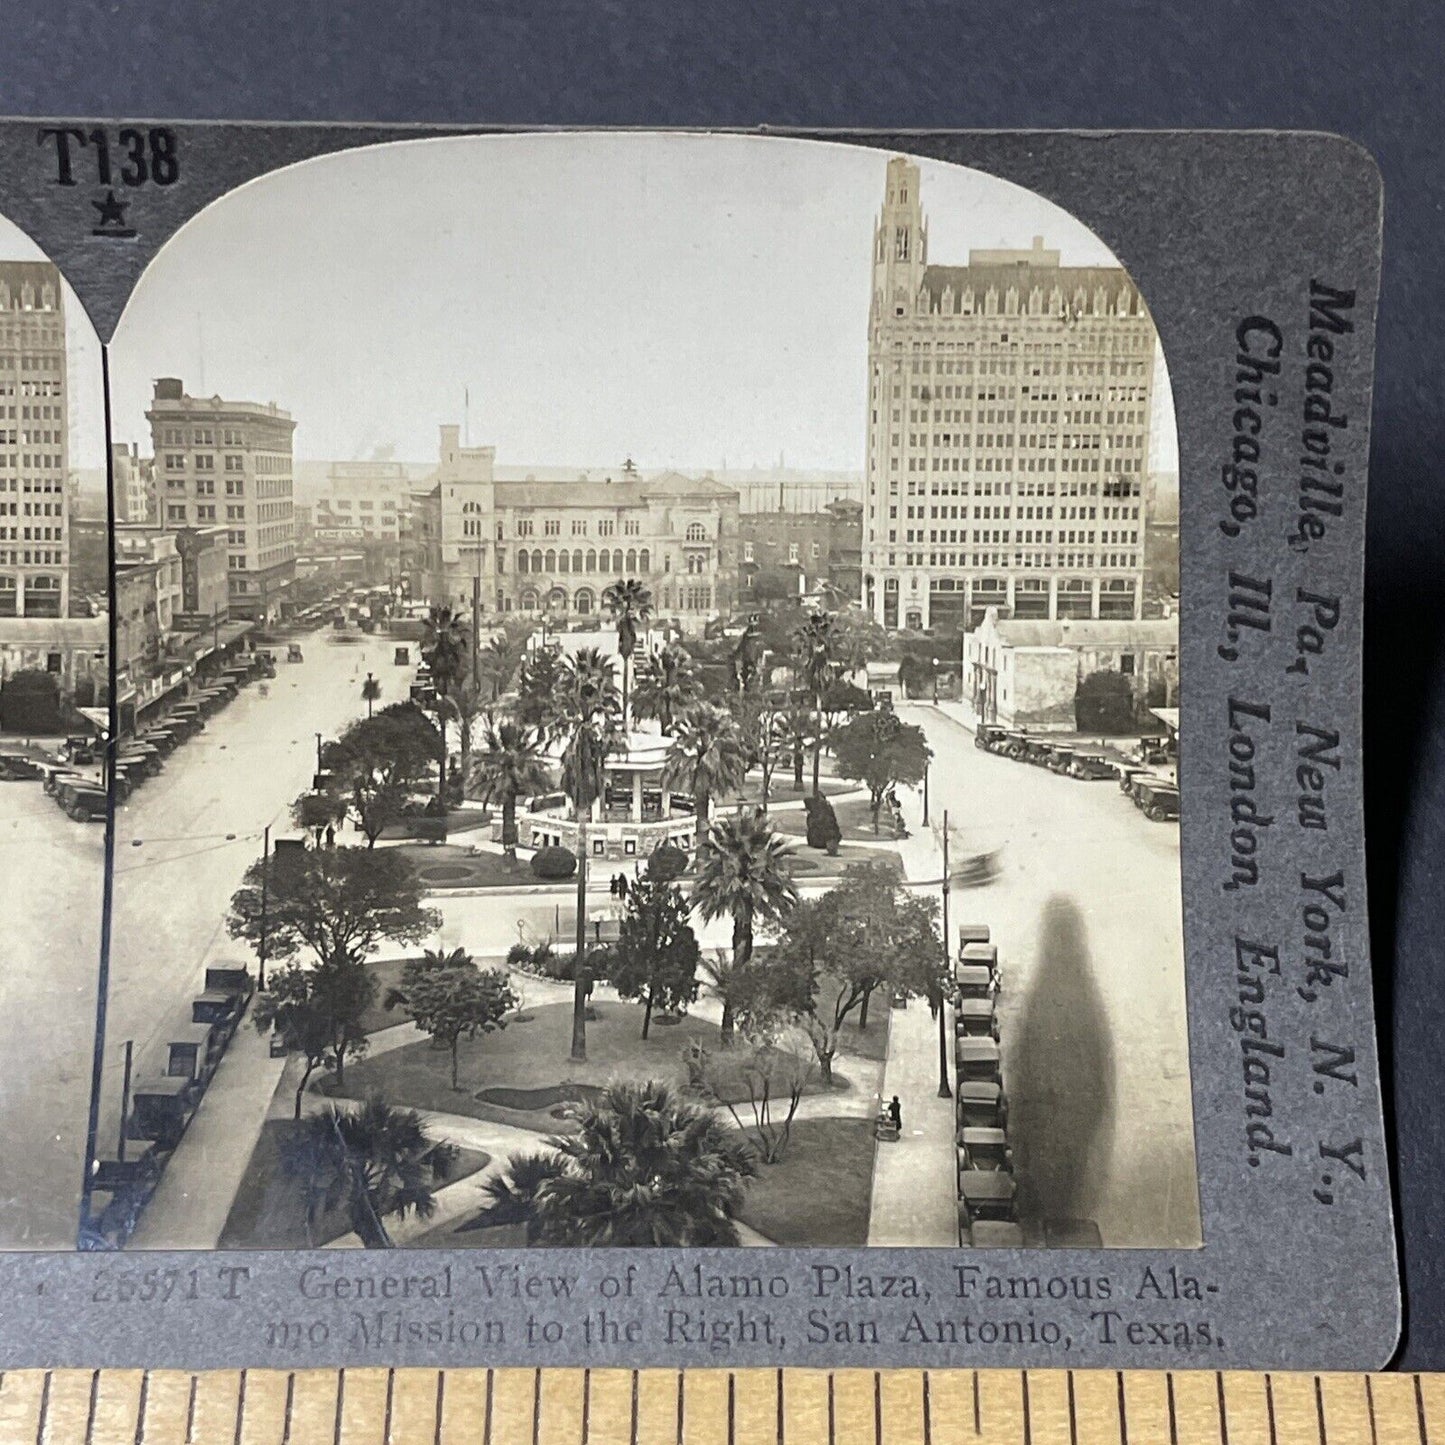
(50, 901)
(176, 863)
(1087, 918)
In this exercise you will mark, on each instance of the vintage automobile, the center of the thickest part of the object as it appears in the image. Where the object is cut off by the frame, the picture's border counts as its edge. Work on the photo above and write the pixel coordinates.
(989, 736)
(1127, 772)
(1038, 752)
(1158, 799)
(972, 933)
(294, 653)
(163, 739)
(1060, 759)
(1090, 767)
(985, 1194)
(994, 1234)
(973, 981)
(984, 1147)
(82, 800)
(147, 754)
(973, 870)
(16, 768)
(161, 1108)
(981, 1102)
(194, 1050)
(974, 1018)
(976, 1059)
(401, 656)
(981, 955)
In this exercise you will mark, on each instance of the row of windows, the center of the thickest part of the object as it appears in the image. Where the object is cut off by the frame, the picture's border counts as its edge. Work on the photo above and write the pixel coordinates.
(32, 509)
(579, 561)
(33, 534)
(32, 461)
(552, 527)
(1042, 561)
(41, 557)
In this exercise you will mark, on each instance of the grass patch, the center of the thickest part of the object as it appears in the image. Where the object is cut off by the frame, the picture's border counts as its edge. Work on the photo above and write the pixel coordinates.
(855, 818)
(820, 1192)
(443, 865)
(535, 1057)
(268, 1212)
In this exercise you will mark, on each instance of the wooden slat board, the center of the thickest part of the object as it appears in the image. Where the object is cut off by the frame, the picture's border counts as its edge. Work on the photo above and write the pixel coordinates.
(717, 1407)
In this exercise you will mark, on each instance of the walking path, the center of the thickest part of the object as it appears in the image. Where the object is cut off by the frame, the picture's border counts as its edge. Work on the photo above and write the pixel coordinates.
(915, 1187)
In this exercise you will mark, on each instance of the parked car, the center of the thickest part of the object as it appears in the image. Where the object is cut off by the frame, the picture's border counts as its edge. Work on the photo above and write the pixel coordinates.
(985, 1194)
(294, 653)
(1158, 799)
(16, 767)
(973, 981)
(82, 800)
(989, 737)
(983, 1147)
(993, 1234)
(975, 1018)
(981, 1102)
(977, 1059)
(1089, 767)
(972, 933)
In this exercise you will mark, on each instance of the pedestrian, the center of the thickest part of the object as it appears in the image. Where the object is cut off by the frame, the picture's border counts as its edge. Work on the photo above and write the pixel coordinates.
(331, 835)
(895, 1112)
(622, 886)
(612, 885)
(935, 1000)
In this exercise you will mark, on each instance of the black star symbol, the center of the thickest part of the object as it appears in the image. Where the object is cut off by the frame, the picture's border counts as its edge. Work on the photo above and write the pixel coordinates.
(112, 216)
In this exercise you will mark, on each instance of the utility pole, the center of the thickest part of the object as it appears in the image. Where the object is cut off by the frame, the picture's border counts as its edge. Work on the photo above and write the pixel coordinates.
(925, 797)
(318, 753)
(265, 880)
(944, 1092)
(476, 618)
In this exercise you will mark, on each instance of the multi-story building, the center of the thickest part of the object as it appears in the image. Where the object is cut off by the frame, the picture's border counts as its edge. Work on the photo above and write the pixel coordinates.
(788, 553)
(230, 463)
(1008, 430)
(134, 480)
(536, 546)
(34, 447)
(159, 552)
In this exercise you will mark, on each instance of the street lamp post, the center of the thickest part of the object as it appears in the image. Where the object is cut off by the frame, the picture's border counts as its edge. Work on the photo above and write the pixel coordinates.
(925, 791)
(318, 752)
(944, 1092)
(265, 880)
(935, 682)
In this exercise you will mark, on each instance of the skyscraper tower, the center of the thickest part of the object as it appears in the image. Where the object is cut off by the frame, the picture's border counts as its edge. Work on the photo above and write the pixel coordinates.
(1009, 403)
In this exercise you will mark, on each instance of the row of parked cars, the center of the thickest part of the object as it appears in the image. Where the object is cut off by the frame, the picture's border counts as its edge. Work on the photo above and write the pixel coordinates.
(986, 1210)
(1154, 793)
(161, 1106)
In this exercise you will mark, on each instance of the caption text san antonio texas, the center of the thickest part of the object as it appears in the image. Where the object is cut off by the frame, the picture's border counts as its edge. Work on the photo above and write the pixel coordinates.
(527, 853)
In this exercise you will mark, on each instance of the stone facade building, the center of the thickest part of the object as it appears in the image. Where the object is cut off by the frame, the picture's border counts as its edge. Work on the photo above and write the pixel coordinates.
(230, 463)
(1009, 405)
(555, 547)
(807, 553)
(34, 446)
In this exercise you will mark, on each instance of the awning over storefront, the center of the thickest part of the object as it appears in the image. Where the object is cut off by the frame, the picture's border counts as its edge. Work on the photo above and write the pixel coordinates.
(1169, 716)
(97, 717)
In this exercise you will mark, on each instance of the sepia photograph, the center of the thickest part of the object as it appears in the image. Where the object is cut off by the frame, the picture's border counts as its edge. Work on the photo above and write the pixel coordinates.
(55, 610)
(646, 694)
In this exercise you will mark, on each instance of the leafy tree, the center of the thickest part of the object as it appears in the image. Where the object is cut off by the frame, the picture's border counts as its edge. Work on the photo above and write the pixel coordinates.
(373, 1161)
(509, 766)
(1104, 703)
(801, 731)
(630, 603)
(314, 813)
(747, 656)
(645, 1168)
(455, 1001)
(340, 904)
(743, 877)
(822, 826)
(706, 758)
(762, 725)
(756, 995)
(771, 1077)
(841, 946)
(815, 645)
(317, 1013)
(378, 762)
(880, 750)
(860, 639)
(370, 692)
(656, 958)
(540, 673)
(584, 712)
(916, 673)
(667, 683)
(445, 647)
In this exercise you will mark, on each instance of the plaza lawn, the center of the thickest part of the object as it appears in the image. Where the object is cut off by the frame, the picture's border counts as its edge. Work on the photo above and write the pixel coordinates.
(819, 1193)
(855, 818)
(442, 866)
(522, 1074)
(268, 1211)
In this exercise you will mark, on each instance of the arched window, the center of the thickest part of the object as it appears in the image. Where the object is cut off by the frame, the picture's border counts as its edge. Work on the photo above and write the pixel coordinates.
(584, 602)
(551, 561)
(522, 561)
(564, 562)
(642, 558)
(529, 599)
(604, 561)
(536, 560)
(591, 560)
(617, 561)
(631, 561)
(696, 532)
(577, 560)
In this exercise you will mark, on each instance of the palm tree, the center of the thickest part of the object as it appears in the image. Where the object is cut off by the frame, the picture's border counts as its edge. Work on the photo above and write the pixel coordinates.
(815, 644)
(536, 688)
(372, 1162)
(630, 603)
(370, 692)
(500, 660)
(707, 758)
(743, 876)
(666, 683)
(584, 712)
(746, 655)
(508, 766)
(444, 647)
(645, 1169)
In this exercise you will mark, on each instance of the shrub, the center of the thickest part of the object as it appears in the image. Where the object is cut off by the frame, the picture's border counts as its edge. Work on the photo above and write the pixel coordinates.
(823, 829)
(519, 955)
(563, 966)
(667, 863)
(554, 863)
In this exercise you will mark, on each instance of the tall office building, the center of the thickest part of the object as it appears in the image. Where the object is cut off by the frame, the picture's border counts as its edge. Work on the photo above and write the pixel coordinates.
(229, 463)
(34, 447)
(1008, 438)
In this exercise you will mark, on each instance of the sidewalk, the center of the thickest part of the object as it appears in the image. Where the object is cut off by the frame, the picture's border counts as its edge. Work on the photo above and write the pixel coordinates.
(915, 1188)
(193, 1200)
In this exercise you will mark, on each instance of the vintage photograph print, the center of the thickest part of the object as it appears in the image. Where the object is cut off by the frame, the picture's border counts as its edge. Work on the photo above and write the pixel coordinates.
(659, 658)
(55, 621)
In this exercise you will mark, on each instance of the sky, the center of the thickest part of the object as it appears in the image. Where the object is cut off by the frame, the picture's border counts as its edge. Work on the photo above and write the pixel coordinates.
(689, 301)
